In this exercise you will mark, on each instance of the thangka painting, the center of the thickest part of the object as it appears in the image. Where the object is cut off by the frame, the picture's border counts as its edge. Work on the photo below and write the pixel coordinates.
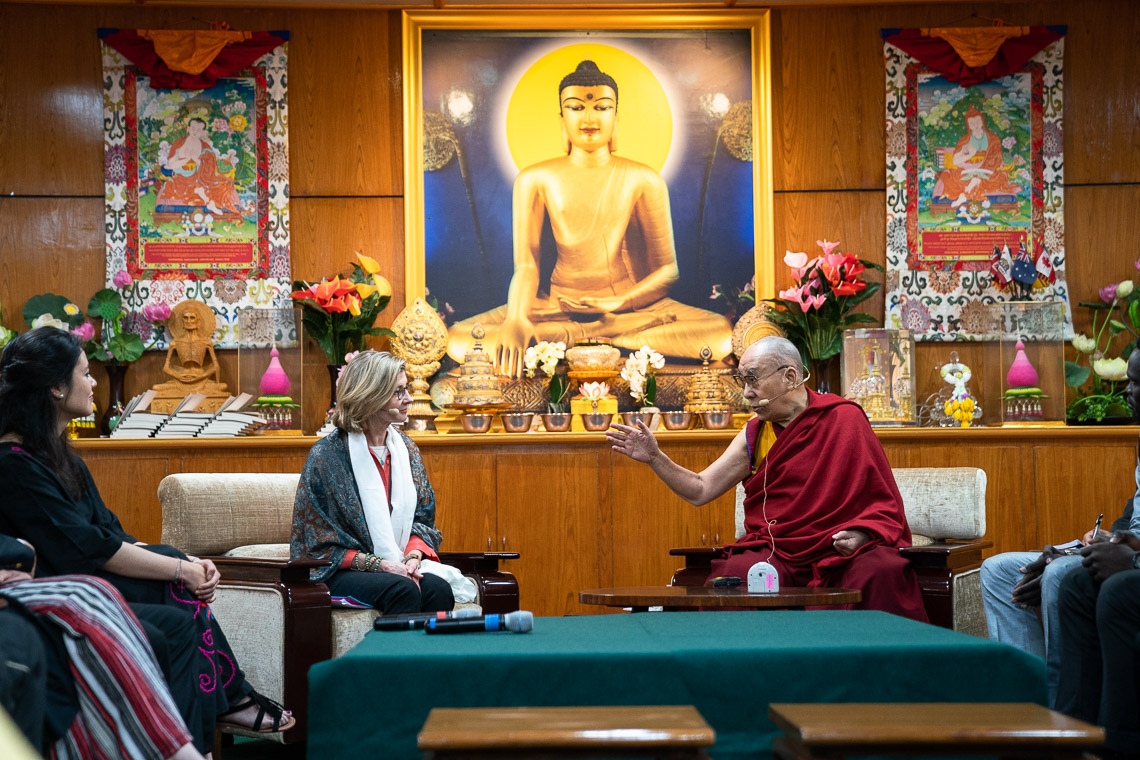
(975, 209)
(197, 170)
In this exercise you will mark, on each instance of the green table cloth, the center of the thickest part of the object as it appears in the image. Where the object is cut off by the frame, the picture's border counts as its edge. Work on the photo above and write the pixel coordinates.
(372, 701)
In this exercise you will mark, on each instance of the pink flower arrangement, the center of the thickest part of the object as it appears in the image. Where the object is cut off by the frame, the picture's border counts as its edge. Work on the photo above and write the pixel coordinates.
(818, 307)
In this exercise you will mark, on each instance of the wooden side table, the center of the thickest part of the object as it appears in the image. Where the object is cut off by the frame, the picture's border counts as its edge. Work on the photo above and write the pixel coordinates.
(671, 598)
(484, 733)
(1020, 729)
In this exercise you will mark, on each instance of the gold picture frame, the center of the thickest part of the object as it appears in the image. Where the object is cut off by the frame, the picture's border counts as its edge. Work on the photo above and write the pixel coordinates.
(458, 195)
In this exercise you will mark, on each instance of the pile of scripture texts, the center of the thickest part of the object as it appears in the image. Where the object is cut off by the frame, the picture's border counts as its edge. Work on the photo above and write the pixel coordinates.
(185, 421)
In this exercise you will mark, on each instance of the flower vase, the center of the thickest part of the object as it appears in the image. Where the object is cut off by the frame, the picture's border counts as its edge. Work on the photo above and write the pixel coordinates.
(116, 377)
(334, 373)
(822, 371)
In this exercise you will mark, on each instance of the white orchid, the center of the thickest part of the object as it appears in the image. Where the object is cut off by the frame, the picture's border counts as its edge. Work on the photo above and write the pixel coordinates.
(544, 355)
(639, 372)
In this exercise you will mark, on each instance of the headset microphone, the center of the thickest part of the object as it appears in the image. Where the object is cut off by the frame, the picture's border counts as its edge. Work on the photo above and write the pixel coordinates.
(765, 401)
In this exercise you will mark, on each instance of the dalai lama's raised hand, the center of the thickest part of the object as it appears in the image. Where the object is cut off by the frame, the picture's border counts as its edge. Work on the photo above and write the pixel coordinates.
(636, 442)
(847, 541)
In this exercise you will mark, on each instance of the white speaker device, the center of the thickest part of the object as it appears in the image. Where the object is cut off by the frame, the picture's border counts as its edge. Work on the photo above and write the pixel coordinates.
(763, 579)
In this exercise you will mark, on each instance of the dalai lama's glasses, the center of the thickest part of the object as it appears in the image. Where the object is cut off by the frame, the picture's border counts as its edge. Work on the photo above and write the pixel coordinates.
(751, 381)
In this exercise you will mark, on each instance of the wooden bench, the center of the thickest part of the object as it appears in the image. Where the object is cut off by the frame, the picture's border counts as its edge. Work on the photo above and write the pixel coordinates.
(816, 731)
(495, 732)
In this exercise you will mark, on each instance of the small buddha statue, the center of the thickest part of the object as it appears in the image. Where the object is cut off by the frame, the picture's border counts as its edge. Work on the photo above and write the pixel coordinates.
(190, 360)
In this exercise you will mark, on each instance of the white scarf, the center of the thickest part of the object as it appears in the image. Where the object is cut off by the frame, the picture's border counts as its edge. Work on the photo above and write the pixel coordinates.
(390, 532)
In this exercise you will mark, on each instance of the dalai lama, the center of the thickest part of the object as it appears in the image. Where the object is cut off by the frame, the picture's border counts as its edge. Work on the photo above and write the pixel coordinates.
(821, 504)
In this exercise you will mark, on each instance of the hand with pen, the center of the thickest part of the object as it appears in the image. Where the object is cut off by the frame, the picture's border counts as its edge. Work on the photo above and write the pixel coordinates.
(1027, 591)
(1107, 558)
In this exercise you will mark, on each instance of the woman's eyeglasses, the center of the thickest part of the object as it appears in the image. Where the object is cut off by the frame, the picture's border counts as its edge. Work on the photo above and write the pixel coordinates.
(401, 392)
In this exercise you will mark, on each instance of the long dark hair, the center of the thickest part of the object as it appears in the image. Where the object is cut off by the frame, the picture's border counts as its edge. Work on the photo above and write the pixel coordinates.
(30, 366)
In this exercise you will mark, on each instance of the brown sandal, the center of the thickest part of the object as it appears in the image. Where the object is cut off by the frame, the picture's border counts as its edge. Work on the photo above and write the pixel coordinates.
(280, 719)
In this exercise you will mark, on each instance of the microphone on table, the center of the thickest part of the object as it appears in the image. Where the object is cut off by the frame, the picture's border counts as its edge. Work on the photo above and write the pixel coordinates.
(770, 399)
(417, 620)
(518, 622)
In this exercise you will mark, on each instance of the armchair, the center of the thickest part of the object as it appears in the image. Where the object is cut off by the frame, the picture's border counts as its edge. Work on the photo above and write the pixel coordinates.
(946, 510)
(277, 620)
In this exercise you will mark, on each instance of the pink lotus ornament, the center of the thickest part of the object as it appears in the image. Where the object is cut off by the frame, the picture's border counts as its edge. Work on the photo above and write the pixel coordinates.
(1021, 373)
(275, 382)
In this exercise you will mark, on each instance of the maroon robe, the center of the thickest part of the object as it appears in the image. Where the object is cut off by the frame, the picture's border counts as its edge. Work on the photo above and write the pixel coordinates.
(826, 472)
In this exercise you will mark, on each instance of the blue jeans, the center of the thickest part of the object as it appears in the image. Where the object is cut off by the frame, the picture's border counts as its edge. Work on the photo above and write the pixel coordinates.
(1020, 626)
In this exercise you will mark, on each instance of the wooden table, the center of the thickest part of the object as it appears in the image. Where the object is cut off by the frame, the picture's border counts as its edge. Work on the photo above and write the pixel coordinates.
(672, 598)
(491, 733)
(833, 731)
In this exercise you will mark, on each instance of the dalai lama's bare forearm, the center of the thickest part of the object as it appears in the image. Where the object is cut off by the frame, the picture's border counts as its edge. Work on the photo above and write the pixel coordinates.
(699, 488)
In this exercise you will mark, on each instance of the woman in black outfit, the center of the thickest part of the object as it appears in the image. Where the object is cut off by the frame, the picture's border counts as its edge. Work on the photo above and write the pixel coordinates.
(50, 500)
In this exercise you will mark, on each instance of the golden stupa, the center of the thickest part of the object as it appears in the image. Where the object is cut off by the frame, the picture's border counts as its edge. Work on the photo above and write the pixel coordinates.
(478, 387)
(706, 393)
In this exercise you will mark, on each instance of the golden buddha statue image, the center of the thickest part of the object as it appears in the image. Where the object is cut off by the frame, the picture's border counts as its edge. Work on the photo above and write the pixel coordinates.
(190, 361)
(614, 254)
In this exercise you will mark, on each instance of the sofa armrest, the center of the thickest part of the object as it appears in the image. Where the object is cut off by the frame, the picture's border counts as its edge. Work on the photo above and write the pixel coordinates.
(267, 570)
(498, 589)
(955, 556)
(698, 565)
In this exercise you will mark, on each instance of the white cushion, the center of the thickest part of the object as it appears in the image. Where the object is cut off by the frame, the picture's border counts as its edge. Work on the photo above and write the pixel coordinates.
(940, 502)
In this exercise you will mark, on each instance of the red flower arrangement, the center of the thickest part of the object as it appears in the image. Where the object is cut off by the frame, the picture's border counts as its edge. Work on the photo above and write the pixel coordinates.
(815, 311)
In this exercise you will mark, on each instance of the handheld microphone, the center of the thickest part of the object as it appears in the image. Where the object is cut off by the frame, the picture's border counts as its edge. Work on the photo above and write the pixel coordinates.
(770, 399)
(417, 620)
(518, 622)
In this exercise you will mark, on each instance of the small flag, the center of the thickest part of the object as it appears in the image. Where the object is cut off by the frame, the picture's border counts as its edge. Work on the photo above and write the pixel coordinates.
(1045, 266)
(1001, 266)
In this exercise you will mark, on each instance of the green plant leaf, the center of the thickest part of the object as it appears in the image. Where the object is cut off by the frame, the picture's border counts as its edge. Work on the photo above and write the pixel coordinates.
(126, 348)
(105, 304)
(50, 303)
(1076, 375)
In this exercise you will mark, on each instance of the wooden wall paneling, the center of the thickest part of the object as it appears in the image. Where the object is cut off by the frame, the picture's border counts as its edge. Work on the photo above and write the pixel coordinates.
(856, 219)
(1100, 237)
(51, 102)
(1074, 486)
(828, 94)
(464, 484)
(128, 483)
(249, 461)
(649, 519)
(49, 245)
(345, 107)
(326, 233)
(1102, 100)
(547, 511)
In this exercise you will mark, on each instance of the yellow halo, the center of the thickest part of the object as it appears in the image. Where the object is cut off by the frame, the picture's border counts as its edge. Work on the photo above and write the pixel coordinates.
(645, 119)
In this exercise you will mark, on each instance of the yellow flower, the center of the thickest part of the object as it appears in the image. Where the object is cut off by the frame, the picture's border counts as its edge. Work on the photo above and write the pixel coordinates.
(70, 309)
(238, 123)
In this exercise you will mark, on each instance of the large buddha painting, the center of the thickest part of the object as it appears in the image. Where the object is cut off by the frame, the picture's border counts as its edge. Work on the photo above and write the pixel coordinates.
(599, 182)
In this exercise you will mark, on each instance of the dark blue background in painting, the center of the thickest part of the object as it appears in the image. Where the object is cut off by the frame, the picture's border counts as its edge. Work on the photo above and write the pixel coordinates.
(456, 272)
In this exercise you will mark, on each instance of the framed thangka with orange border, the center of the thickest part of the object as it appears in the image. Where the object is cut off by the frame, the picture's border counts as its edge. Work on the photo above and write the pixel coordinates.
(975, 209)
(197, 195)
(634, 208)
